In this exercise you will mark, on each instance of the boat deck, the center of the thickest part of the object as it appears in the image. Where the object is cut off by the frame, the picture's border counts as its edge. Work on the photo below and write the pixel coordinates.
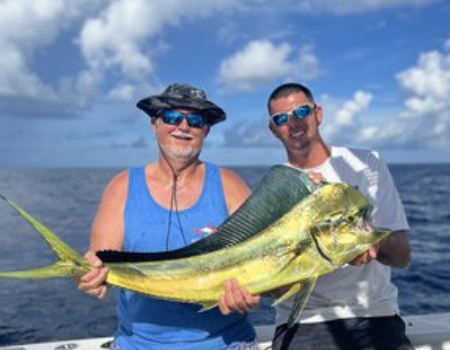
(427, 332)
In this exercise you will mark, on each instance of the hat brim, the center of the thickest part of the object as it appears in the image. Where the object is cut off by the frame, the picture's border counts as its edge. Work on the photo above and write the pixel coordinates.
(154, 105)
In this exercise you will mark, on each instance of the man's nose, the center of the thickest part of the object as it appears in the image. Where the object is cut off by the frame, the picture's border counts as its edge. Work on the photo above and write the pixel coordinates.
(184, 124)
(292, 120)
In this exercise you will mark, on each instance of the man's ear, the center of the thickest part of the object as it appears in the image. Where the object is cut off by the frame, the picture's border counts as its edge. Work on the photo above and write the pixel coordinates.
(207, 129)
(153, 124)
(319, 115)
(274, 129)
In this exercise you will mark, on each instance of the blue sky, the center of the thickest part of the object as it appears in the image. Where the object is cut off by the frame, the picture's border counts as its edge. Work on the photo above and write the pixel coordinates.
(71, 72)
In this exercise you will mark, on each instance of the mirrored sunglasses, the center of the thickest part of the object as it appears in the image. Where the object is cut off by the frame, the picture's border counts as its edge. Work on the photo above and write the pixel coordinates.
(194, 120)
(299, 112)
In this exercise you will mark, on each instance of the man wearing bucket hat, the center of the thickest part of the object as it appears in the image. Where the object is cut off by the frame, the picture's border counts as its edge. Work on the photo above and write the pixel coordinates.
(164, 206)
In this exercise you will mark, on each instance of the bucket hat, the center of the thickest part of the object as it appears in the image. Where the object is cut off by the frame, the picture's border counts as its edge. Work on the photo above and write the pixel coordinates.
(182, 96)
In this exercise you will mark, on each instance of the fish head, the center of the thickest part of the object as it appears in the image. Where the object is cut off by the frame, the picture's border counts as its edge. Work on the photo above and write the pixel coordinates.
(345, 230)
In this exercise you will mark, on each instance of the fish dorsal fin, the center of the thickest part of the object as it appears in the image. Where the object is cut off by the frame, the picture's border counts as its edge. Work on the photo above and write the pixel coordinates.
(116, 256)
(280, 190)
(300, 300)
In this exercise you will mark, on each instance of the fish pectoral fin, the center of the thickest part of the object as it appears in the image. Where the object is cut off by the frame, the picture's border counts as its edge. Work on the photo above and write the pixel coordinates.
(208, 306)
(300, 300)
(286, 293)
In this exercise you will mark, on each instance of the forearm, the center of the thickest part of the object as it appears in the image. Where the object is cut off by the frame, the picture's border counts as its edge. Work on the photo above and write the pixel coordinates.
(395, 250)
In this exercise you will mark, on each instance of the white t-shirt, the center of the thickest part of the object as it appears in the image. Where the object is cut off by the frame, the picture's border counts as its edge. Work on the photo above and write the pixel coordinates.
(351, 291)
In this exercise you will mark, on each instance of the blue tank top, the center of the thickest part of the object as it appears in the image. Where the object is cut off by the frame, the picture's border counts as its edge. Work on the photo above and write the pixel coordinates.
(146, 323)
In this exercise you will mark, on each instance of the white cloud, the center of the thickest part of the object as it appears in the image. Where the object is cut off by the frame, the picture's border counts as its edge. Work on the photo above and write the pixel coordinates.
(114, 36)
(117, 38)
(261, 61)
(128, 92)
(123, 92)
(257, 63)
(427, 106)
(425, 121)
(350, 109)
(15, 76)
(26, 27)
(428, 83)
(307, 66)
(344, 119)
(344, 7)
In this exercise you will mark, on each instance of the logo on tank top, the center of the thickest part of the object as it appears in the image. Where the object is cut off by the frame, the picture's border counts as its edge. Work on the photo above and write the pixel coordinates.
(207, 230)
(203, 232)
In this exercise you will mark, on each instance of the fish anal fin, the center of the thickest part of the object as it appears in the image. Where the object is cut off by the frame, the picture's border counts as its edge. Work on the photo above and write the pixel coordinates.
(287, 293)
(208, 306)
(300, 300)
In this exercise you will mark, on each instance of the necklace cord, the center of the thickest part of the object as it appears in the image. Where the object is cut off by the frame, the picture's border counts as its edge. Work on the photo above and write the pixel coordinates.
(173, 200)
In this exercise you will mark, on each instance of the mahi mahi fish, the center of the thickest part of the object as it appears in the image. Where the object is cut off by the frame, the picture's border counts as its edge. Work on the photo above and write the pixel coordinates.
(288, 233)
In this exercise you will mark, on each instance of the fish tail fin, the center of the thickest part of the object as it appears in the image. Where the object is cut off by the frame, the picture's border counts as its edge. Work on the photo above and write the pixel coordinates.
(69, 263)
(57, 269)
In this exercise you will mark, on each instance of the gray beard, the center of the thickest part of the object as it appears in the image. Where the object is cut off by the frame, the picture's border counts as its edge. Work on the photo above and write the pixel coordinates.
(180, 153)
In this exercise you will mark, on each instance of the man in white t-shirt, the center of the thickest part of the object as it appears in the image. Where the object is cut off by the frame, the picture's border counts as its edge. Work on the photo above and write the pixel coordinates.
(356, 306)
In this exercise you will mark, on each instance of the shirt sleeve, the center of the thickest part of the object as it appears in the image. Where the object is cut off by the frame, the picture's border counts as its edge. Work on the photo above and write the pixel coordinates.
(388, 208)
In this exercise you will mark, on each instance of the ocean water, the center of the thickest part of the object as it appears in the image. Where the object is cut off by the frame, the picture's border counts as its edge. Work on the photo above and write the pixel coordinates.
(65, 200)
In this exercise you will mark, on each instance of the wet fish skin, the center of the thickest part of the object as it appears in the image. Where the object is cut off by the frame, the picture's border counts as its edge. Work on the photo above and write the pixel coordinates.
(324, 230)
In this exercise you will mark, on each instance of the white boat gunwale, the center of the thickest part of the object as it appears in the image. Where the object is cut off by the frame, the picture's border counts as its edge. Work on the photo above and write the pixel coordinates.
(427, 332)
